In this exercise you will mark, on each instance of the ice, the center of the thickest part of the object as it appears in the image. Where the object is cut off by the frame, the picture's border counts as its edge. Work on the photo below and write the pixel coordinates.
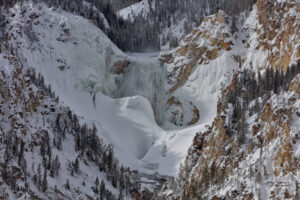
(129, 108)
(87, 85)
(145, 78)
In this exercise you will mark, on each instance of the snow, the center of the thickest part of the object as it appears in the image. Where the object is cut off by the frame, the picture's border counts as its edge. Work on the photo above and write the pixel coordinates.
(5, 65)
(175, 30)
(208, 79)
(176, 143)
(123, 107)
(36, 124)
(88, 52)
(255, 57)
(140, 8)
(87, 4)
(87, 86)
(205, 83)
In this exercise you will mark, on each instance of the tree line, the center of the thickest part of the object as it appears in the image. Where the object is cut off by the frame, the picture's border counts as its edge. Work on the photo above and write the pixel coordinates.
(38, 125)
(145, 33)
(251, 92)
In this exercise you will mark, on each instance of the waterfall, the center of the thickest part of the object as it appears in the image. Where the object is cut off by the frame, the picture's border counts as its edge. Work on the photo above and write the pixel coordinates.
(145, 79)
(158, 96)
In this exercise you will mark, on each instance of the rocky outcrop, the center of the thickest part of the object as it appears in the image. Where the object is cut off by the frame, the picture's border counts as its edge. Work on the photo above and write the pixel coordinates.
(179, 108)
(268, 37)
(279, 31)
(200, 47)
(209, 47)
(295, 86)
(35, 128)
(120, 66)
(219, 166)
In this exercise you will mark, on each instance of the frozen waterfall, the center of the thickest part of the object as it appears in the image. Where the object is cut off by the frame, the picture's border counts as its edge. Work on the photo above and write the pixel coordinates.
(144, 77)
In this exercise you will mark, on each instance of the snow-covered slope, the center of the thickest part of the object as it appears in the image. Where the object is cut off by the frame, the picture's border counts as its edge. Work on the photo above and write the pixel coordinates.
(86, 70)
(250, 151)
(200, 68)
(261, 162)
(141, 8)
(169, 35)
(274, 35)
(47, 152)
(204, 63)
(196, 72)
(78, 60)
(124, 95)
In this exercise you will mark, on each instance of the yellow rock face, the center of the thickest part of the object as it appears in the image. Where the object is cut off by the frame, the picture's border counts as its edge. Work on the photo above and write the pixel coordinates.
(120, 66)
(295, 86)
(280, 32)
(197, 53)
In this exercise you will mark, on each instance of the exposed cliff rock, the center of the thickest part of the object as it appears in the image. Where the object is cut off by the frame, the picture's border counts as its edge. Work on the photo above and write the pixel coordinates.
(120, 66)
(265, 165)
(47, 151)
(278, 32)
(213, 46)
(263, 162)
(268, 37)
(179, 110)
(200, 47)
(295, 86)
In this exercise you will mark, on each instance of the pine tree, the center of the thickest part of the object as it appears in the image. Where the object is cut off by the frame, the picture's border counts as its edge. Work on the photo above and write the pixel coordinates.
(102, 188)
(252, 88)
(55, 167)
(242, 128)
(15, 147)
(67, 185)
(287, 78)
(297, 195)
(39, 176)
(76, 165)
(298, 67)
(293, 71)
(256, 106)
(260, 84)
(21, 153)
(233, 24)
(45, 182)
(97, 182)
(120, 196)
(236, 111)
(281, 78)
(42, 149)
(258, 177)
(276, 83)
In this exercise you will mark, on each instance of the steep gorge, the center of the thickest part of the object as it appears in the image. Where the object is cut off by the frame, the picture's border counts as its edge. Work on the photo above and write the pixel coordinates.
(262, 160)
(189, 93)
